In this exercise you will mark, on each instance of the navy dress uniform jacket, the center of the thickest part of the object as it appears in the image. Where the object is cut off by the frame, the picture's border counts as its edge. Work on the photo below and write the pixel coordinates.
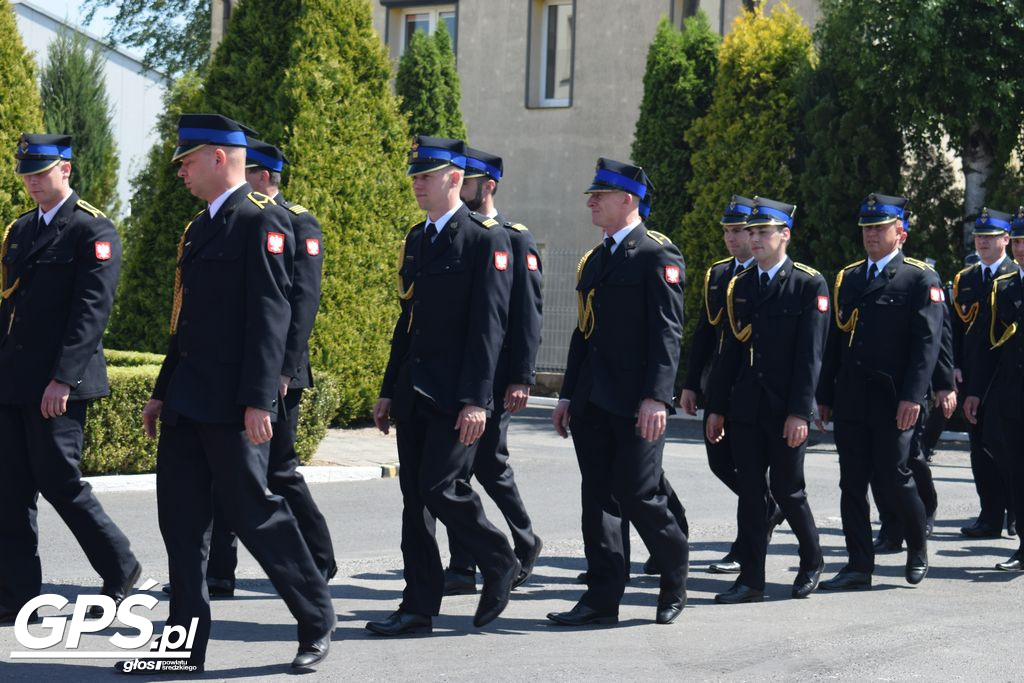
(999, 379)
(454, 299)
(305, 292)
(626, 345)
(774, 370)
(886, 333)
(971, 299)
(51, 325)
(707, 335)
(517, 361)
(229, 347)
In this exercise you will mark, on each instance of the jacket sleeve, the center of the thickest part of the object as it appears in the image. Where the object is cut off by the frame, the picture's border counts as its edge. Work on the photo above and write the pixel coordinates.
(925, 338)
(92, 300)
(826, 390)
(664, 302)
(305, 292)
(488, 318)
(267, 311)
(942, 377)
(810, 347)
(724, 369)
(982, 358)
(166, 369)
(702, 345)
(524, 310)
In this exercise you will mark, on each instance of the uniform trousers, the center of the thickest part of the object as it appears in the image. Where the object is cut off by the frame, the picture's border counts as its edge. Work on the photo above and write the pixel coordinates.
(1013, 447)
(891, 527)
(285, 480)
(192, 459)
(871, 448)
(991, 474)
(491, 469)
(760, 450)
(622, 477)
(434, 477)
(42, 456)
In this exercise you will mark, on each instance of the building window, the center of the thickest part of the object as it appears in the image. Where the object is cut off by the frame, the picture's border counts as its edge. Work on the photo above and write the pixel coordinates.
(683, 9)
(404, 21)
(552, 37)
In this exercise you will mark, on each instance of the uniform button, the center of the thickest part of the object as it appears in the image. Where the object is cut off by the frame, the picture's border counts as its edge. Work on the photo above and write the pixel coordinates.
(183, 354)
(18, 347)
(415, 360)
(184, 323)
(760, 374)
(184, 290)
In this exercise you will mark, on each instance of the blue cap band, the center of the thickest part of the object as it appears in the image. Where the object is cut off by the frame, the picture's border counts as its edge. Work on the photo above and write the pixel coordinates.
(436, 153)
(737, 208)
(472, 162)
(212, 136)
(621, 181)
(265, 160)
(774, 213)
(995, 222)
(50, 150)
(887, 209)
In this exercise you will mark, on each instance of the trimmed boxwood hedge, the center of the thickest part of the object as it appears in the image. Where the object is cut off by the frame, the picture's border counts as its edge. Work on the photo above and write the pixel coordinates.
(115, 444)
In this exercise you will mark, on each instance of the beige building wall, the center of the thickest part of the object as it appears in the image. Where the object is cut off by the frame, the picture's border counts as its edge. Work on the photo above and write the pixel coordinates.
(549, 152)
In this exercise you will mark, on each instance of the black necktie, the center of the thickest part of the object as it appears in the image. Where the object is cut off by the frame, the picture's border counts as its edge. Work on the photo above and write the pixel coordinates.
(737, 267)
(872, 272)
(987, 275)
(609, 244)
(765, 280)
(432, 232)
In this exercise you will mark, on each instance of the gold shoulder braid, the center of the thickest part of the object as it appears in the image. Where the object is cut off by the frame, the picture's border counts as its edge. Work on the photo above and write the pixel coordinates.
(6, 291)
(403, 293)
(707, 303)
(970, 315)
(176, 302)
(744, 334)
(585, 308)
(1010, 329)
(851, 323)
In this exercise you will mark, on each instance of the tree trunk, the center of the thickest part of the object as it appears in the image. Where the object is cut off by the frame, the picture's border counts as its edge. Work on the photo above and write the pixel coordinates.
(978, 159)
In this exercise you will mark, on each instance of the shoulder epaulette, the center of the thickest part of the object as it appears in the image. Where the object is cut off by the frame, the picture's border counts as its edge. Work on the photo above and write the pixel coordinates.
(261, 200)
(854, 264)
(658, 237)
(483, 220)
(964, 271)
(298, 209)
(25, 214)
(519, 227)
(807, 269)
(917, 264)
(1003, 277)
(90, 209)
(721, 261)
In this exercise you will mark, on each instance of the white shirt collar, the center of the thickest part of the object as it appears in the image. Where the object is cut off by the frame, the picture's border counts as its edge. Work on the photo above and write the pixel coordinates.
(995, 266)
(881, 263)
(48, 216)
(621, 233)
(742, 264)
(443, 220)
(219, 201)
(492, 213)
(771, 271)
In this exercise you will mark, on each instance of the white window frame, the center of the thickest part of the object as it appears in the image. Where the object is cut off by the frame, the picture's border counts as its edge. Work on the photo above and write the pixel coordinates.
(433, 13)
(542, 75)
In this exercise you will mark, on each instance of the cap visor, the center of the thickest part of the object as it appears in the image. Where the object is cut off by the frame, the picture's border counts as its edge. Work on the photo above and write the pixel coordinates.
(764, 220)
(428, 167)
(34, 166)
(989, 231)
(875, 220)
(734, 220)
(474, 174)
(185, 150)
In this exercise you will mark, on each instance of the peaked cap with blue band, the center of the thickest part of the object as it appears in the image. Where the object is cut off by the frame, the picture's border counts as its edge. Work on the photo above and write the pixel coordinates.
(199, 130)
(771, 212)
(480, 164)
(879, 209)
(264, 155)
(647, 202)
(432, 154)
(1017, 225)
(38, 153)
(992, 222)
(615, 176)
(737, 211)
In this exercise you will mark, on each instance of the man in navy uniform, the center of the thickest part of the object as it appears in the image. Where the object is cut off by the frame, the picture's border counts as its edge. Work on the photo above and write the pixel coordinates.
(999, 380)
(971, 289)
(762, 384)
(515, 375)
(617, 394)
(455, 278)
(60, 263)
(882, 347)
(217, 395)
(704, 348)
(264, 164)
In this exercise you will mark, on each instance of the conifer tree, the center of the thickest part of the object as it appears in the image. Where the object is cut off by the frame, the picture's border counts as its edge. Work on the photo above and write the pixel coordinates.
(428, 86)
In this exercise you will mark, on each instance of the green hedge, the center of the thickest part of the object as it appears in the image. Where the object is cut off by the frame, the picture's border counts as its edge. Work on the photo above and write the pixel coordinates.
(115, 444)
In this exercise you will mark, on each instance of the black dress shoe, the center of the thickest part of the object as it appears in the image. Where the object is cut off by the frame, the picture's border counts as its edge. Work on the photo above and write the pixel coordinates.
(528, 563)
(148, 667)
(117, 593)
(313, 652)
(495, 594)
(8, 616)
(929, 526)
(807, 580)
(887, 546)
(917, 567)
(670, 605)
(726, 565)
(581, 615)
(847, 580)
(651, 567)
(1013, 564)
(739, 593)
(167, 589)
(459, 582)
(220, 588)
(401, 623)
(981, 530)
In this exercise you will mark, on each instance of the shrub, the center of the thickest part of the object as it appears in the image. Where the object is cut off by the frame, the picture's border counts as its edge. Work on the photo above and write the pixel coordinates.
(428, 86)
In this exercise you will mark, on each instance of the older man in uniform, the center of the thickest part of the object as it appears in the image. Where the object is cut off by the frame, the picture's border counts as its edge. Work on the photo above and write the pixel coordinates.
(60, 263)
(705, 347)
(264, 164)
(762, 384)
(999, 380)
(218, 392)
(971, 289)
(881, 351)
(516, 373)
(455, 278)
(617, 394)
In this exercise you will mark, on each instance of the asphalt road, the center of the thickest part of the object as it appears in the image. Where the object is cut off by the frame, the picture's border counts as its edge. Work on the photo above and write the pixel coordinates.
(963, 622)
